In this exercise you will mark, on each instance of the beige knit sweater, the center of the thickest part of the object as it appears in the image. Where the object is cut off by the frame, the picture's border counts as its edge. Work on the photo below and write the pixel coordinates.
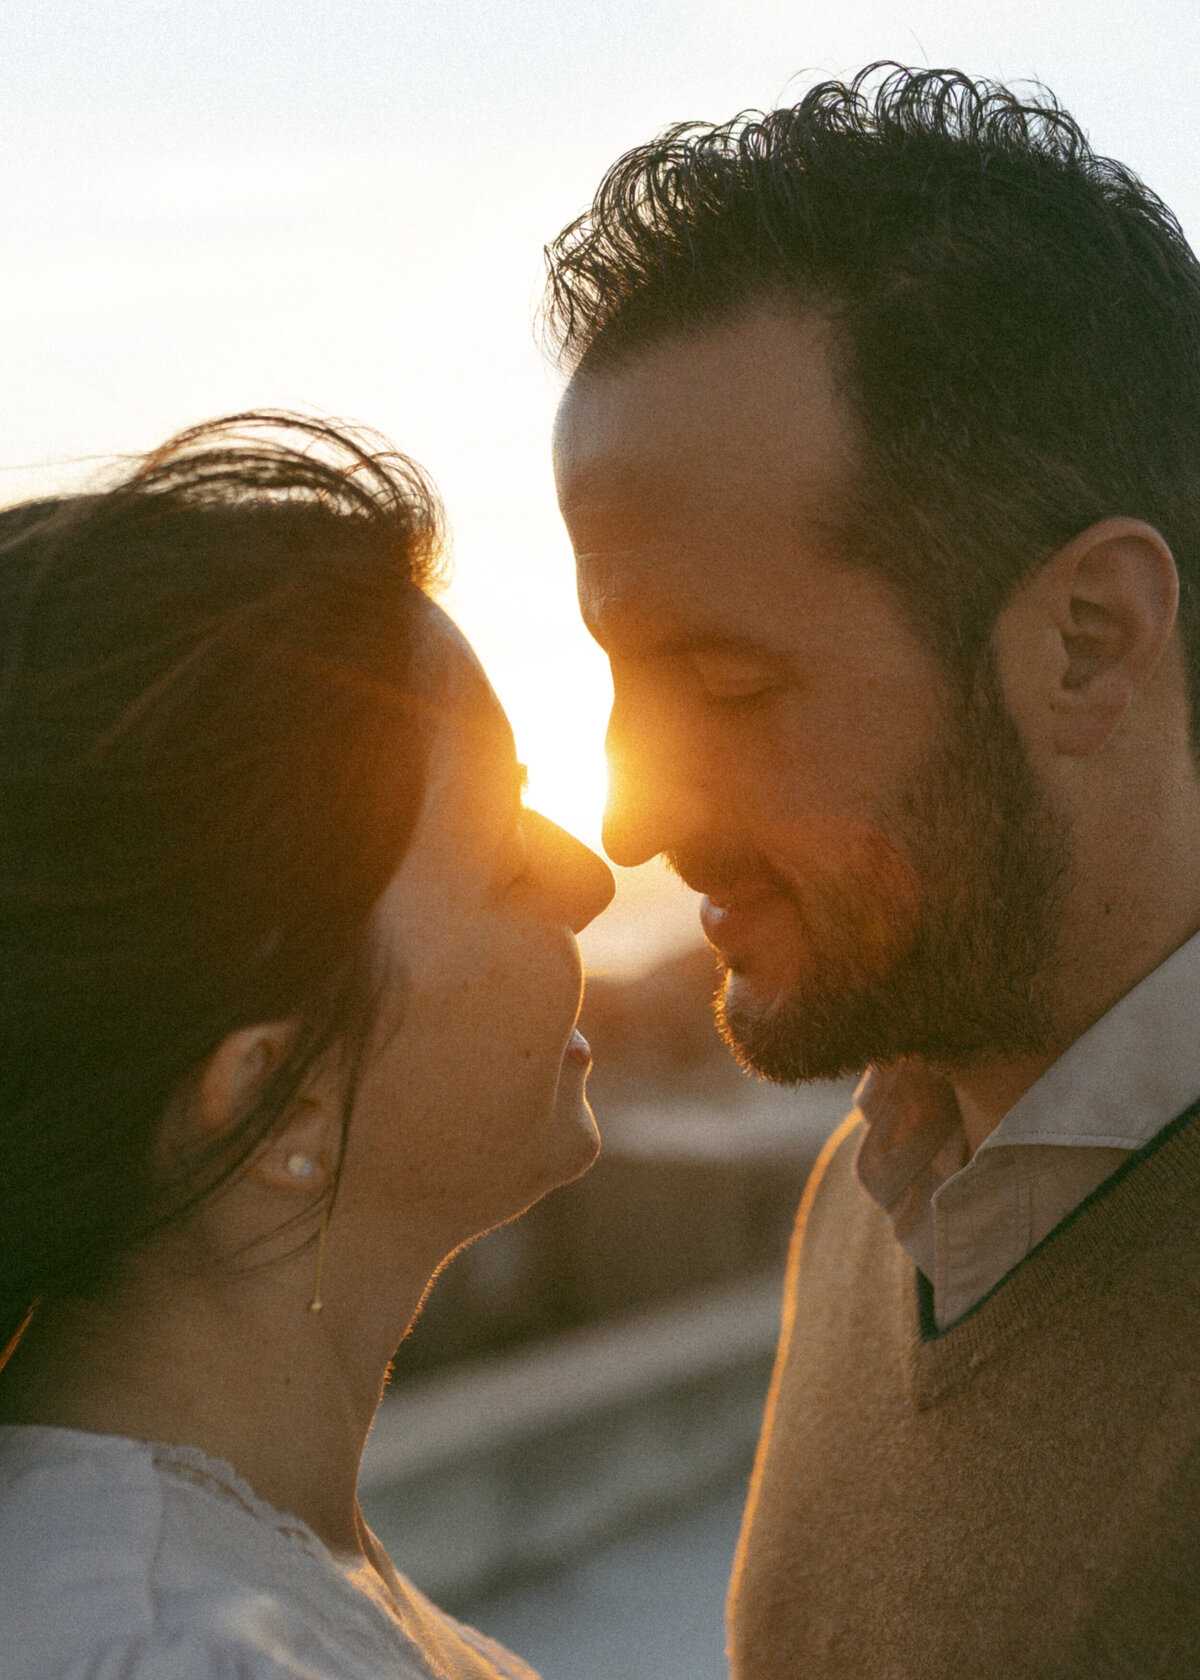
(1017, 1497)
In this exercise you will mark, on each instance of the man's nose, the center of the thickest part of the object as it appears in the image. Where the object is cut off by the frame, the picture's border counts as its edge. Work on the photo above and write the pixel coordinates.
(654, 804)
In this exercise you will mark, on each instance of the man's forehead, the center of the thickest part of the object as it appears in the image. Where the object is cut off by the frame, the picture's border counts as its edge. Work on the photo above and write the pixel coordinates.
(701, 482)
(650, 601)
(697, 512)
(725, 571)
(762, 380)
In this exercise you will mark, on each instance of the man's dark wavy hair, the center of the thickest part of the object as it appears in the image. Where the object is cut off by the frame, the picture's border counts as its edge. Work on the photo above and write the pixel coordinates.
(1017, 320)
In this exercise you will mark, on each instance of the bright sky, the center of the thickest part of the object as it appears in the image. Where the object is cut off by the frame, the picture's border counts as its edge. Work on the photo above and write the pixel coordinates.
(342, 207)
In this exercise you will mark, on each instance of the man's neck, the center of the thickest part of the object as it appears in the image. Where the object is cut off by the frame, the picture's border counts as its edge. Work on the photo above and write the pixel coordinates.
(986, 1092)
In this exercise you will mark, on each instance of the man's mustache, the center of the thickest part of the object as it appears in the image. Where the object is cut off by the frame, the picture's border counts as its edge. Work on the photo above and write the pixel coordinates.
(724, 872)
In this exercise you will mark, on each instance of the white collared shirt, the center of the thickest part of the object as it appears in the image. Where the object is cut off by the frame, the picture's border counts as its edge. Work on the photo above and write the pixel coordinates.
(968, 1222)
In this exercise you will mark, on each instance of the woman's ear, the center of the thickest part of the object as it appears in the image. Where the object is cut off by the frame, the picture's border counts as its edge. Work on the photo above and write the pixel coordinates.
(300, 1151)
(237, 1073)
(1080, 642)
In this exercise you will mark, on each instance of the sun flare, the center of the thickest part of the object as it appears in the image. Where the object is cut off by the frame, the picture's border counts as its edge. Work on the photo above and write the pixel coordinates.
(555, 687)
(561, 742)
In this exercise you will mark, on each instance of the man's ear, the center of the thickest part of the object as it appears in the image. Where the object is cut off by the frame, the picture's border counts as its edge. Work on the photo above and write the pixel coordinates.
(1078, 644)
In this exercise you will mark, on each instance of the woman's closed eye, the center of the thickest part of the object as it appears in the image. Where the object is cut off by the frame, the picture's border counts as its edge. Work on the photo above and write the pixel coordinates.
(515, 867)
(520, 862)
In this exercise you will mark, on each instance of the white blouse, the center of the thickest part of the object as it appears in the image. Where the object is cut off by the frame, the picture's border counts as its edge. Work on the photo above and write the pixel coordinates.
(126, 1560)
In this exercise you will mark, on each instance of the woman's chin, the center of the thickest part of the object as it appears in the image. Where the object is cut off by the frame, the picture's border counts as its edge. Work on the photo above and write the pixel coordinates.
(576, 1137)
(570, 1146)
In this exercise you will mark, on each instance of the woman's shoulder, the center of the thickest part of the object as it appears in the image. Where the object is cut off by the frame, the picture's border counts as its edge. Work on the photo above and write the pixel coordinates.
(179, 1656)
(78, 1530)
(116, 1565)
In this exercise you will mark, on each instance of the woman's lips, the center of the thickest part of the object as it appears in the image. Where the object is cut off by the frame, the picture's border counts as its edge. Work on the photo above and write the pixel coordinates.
(578, 1050)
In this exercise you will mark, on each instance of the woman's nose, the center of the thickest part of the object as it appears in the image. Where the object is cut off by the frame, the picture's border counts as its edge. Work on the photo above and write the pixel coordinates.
(580, 884)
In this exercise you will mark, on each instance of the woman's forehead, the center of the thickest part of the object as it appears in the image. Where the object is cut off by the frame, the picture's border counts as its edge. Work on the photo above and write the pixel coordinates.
(473, 741)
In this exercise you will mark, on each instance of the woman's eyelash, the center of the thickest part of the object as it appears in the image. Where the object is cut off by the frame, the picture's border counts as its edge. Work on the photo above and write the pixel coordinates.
(521, 863)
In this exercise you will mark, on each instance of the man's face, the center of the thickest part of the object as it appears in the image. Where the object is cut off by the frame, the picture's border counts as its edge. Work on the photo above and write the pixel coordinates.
(881, 869)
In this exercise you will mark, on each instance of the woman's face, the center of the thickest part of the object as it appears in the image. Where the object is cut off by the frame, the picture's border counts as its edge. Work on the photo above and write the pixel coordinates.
(471, 1103)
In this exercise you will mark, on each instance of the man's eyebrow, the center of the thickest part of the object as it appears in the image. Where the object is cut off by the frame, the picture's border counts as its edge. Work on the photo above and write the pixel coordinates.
(692, 641)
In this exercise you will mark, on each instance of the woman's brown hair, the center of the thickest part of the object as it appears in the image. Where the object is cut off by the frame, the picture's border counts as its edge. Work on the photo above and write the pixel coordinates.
(212, 754)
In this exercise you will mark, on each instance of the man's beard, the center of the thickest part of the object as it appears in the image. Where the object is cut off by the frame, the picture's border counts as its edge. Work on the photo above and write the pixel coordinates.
(991, 859)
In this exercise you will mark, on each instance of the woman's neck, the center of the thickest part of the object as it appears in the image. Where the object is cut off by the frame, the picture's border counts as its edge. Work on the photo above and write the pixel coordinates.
(242, 1371)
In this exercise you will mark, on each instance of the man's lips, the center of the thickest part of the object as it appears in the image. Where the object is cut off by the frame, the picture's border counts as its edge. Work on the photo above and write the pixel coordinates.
(842, 900)
(734, 923)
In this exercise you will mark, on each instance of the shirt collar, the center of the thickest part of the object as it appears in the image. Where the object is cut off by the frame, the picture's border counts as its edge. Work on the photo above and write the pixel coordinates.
(913, 1143)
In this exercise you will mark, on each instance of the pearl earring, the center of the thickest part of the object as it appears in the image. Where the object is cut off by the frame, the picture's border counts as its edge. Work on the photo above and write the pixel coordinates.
(300, 1165)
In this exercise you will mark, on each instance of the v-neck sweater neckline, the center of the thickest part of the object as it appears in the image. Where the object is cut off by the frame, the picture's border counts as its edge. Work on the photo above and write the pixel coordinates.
(1132, 1209)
